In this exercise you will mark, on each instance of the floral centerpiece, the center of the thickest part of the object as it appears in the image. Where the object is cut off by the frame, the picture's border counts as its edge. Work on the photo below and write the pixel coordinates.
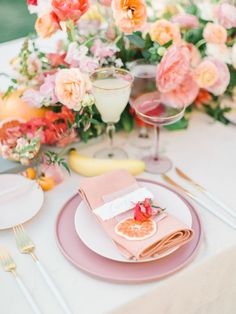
(192, 45)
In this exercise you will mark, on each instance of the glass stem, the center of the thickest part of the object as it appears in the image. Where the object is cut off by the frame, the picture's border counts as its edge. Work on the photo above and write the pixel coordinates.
(110, 132)
(156, 142)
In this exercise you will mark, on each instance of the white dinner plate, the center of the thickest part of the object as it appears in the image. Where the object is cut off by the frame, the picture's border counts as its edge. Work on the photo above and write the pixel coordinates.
(20, 200)
(94, 237)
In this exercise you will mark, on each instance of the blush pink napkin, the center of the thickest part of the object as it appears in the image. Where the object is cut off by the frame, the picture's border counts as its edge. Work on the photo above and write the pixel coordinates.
(170, 232)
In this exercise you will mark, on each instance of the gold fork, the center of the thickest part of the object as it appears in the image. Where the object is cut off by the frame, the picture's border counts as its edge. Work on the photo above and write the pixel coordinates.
(26, 246)
(9, 265)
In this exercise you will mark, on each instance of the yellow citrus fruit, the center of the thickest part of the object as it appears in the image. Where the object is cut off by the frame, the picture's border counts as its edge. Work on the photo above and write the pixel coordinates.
(46, 183)
(30, 173)
(132, 229)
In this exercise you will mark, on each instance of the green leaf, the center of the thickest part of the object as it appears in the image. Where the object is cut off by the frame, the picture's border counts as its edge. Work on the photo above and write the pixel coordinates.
(192, 9)
(193, 35)
(65, 165)
(137, 40)
(180, 125)
(168, 44)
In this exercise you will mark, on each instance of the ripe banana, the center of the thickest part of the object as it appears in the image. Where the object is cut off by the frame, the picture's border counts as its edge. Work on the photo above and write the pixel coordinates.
(89, 167)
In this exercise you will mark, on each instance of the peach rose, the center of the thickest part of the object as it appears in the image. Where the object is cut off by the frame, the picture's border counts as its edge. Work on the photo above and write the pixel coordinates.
(219, 87)
(213, 75)
(130, 15)
(184, 94)
(186, 20)
(226, 15)
(206, 74)
(163, 31)
(70, 87)
(47, 24)
(214, 33)
(173, 68)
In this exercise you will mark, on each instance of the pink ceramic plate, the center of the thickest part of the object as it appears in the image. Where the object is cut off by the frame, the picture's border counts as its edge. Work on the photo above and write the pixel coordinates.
(78, 254)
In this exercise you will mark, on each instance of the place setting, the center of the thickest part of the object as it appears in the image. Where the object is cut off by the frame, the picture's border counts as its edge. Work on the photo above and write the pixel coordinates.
(81, 129)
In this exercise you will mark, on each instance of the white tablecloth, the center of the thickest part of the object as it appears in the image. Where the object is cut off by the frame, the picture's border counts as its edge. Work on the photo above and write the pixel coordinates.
(207, 151)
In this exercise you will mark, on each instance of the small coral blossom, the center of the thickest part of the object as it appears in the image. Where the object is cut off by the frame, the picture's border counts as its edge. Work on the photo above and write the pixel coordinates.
(146, 209)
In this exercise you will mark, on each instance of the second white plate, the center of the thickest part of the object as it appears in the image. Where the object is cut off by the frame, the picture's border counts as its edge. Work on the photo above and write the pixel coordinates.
(95, 238)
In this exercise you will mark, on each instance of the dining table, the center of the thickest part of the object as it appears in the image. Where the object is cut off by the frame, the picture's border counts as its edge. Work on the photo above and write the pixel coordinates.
(206, 151)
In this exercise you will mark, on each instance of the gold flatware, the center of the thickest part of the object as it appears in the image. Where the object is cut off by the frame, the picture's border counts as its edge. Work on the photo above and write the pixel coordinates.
(205, 192)
(9, 265)
(26, 246)
(197, 200)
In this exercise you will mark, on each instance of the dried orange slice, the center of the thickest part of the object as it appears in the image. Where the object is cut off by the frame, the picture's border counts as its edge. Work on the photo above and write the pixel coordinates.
(132, 229)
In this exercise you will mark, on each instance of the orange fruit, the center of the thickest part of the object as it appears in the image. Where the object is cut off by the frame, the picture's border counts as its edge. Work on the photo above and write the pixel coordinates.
(46, 183)
(13, 106)
(132, 229)
(30, 173)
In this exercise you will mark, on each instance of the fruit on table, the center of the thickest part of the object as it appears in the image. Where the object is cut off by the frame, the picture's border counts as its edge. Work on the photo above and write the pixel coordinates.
(13, 106)
(29, 173)
(46, 183)
(89, 167)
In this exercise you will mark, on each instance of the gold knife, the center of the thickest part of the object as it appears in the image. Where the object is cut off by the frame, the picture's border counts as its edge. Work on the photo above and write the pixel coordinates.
(205, 192)
(200, 202)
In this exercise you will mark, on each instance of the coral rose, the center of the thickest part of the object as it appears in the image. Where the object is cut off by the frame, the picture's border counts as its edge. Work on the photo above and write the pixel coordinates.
(195, 56)
(183, 95)
(130, 15)
(215, 33)
(186, 20)
(173, 68)
(70, 9)
(70, 87)
(163, 31)
(213, 75)
(47, 24)
(226, 15)
(206, 74)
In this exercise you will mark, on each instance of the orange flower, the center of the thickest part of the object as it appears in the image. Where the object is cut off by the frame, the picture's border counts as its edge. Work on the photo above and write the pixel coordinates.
(203, 98)
(163, 31)
(215, 33)
(47, 24)
(130, 15)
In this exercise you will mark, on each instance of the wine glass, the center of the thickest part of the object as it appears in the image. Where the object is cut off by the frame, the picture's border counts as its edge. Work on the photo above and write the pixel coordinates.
(144, 75)
(156, 113)
(111, 88)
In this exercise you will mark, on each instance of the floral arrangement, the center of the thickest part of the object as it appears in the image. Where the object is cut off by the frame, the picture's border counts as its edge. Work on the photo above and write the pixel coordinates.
(192, 45)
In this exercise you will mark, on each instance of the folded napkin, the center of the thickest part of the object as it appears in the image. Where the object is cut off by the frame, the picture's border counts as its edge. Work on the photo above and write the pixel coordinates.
(108, 195)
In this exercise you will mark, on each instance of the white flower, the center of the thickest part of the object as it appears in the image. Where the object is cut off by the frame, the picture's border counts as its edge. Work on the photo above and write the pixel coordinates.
(88, 100)
(118, 63)
(206, 9)
(220, 52)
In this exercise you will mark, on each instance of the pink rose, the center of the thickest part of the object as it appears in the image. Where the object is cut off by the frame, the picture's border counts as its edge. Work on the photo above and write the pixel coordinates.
(195, 56)
(186, 20)
(163, 31)
(213, 75)
(130, 15)
(71, 87)
(226, 15)
(173, 68)
(184, 94)
(215, 33)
